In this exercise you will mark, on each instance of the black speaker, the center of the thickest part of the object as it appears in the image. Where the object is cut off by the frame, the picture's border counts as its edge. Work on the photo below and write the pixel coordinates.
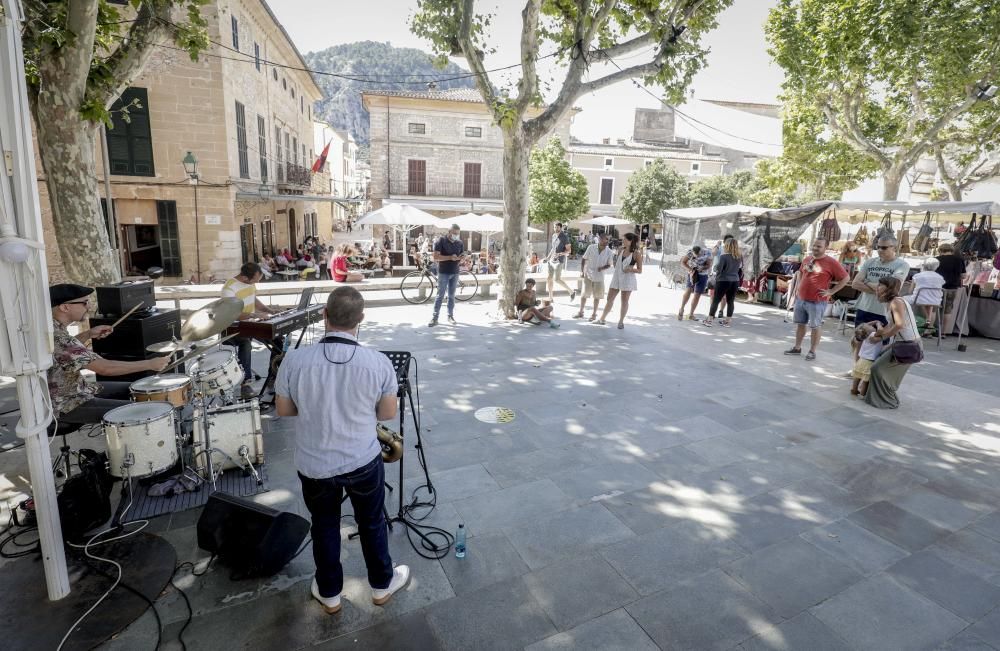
(132, 335)
(253, 540)
(119, 299)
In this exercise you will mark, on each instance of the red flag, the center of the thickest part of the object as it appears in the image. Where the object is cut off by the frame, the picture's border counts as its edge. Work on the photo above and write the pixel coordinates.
(321, 161)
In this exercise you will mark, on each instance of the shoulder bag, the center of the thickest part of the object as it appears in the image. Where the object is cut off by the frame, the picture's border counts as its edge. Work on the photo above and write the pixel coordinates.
(966, 241)
(885, 227)
(861, 238)
(908, 352)
(829, 229)
(921, 243)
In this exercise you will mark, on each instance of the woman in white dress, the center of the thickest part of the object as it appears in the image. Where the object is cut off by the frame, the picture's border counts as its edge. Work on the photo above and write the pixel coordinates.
(627, 263)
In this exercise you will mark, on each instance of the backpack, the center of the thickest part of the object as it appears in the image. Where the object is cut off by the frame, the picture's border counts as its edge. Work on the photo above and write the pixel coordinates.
(921, 243)
(829, 229)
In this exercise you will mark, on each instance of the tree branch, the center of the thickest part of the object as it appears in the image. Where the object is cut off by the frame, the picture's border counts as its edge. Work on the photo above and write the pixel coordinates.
(475, 59)
(151, 26)
(528, 86)
(627, 47)
(74, 57)
(851, 132)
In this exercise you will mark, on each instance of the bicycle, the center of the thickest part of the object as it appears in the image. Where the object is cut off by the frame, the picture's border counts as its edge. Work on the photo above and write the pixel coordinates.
(419, 286)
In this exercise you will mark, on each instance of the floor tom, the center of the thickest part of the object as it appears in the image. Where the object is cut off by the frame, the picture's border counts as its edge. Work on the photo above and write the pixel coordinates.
(141, 438)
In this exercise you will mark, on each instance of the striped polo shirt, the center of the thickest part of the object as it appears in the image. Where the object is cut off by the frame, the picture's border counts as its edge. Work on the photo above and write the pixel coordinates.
(246, 293)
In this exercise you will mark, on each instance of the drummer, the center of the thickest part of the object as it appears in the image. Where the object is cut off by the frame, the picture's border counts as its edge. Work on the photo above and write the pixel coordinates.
(73, 399)
(244, 288)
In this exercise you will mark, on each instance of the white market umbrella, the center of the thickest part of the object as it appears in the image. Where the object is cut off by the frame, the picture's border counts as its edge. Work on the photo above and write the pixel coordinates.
(485, 223)
(606, 221)
(26, 327)
(401, 217)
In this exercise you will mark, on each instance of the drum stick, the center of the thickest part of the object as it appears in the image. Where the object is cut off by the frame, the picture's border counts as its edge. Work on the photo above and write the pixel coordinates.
(126, 315)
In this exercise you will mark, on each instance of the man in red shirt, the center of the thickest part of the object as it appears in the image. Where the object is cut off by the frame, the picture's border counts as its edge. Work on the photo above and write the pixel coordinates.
(813, 282)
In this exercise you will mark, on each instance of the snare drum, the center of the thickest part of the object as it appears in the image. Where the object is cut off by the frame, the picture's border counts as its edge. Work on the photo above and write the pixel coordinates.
(216, 372)
(142, 438)
(231, 428)
(171, 387)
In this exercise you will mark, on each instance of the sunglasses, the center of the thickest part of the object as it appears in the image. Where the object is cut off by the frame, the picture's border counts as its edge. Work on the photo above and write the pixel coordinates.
(883, 248)
(78, 303)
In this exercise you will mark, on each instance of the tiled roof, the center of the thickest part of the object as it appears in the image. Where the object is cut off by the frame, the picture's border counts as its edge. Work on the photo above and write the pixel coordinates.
(453, 95)
(642, 150)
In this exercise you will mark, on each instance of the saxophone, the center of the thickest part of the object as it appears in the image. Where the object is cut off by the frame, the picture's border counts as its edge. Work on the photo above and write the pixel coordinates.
(392, 443)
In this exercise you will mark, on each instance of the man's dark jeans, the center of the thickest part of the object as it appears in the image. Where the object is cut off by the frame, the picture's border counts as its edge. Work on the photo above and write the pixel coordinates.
(244, 352)
(366, 489)
(111, 395)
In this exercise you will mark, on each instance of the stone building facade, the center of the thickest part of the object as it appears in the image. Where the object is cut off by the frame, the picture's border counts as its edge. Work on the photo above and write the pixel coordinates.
(438, 150)
(244, 110)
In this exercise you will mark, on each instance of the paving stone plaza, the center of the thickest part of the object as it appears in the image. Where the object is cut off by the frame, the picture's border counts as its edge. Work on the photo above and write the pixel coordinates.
(665, 486)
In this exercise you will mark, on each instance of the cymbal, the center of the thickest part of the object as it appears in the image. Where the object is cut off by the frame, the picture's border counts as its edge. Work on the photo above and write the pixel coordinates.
(197, 350)
(166, 347)
(211, 319)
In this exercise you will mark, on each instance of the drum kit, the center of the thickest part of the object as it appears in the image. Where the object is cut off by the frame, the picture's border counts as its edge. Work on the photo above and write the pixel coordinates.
(177, 416)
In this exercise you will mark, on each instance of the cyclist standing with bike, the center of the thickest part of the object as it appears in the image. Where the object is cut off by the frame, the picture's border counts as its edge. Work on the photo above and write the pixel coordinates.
(447, 252)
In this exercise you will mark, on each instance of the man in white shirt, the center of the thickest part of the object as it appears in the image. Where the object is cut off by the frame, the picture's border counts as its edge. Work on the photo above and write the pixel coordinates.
(338, 391)
(597, 259)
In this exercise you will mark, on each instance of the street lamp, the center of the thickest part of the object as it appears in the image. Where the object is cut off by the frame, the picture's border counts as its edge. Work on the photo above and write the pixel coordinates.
(191, 169)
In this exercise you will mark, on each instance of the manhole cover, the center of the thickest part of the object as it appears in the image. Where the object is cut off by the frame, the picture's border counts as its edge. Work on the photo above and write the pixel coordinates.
(495, 415)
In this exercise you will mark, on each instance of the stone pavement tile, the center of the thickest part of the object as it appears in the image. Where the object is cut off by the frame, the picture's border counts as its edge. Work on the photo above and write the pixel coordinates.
(875, 480)
(743, 398)
(975, 552)
(800, 632)
(791, 575)
(603, 480)
(538, 464)
(937, 508)
(675, 464)
(809, 426)
(639, 439)
(662, 558)
(503, 616)
(719, 450)
(666, 502)
(550, 538)
(821, 497)
(711, 611)
(879, 613)
(764, 440)
(480, 450)
(832, 454)
(898, 526)
(987, 629)
(408, 633)
(855, 546)
(494, 511)
(742, 418)
(888, 435)
(848, 416)
(761, 474)
(696, 428)
(765, 520)
(967, 641)
(578, 589)
(958, 590)
(490, 558)
(988, 525)
(614, 631)
(459, 483)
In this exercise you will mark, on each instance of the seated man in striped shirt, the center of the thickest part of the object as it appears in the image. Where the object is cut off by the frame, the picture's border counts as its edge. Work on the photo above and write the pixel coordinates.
(243, 287)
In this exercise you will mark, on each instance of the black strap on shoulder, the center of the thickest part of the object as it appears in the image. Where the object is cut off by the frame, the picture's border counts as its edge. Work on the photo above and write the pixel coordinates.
(333, 339)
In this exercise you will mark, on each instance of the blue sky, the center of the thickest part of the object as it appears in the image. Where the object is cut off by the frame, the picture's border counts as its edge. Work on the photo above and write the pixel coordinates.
(739, 67)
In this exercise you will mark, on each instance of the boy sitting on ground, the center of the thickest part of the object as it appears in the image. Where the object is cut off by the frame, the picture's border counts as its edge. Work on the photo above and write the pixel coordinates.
(528, 311)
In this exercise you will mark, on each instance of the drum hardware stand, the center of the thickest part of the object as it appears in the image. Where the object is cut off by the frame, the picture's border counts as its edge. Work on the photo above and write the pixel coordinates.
(244, 453)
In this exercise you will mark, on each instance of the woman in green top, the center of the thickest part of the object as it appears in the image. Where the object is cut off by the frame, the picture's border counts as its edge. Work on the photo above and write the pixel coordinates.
(850, 257)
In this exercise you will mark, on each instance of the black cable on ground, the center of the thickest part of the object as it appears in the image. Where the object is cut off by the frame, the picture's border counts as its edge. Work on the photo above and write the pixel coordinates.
(187, 602)
(149, 602)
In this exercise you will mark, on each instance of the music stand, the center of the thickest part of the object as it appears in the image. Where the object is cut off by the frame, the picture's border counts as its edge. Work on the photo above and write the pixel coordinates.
(401, 365)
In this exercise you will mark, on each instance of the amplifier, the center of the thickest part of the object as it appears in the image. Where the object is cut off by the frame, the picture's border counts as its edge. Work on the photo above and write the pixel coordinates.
(119, 299)
(134, 334)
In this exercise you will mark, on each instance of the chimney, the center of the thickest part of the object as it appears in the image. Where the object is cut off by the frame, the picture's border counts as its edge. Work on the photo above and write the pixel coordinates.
(701, 149)
(605, 141)
(621, 141)
(653, 125)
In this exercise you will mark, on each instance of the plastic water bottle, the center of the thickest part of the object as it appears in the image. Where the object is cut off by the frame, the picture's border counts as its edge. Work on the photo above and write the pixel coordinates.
(460, 542)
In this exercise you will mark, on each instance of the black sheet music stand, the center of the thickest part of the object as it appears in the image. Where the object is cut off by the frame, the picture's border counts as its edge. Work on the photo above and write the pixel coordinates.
(401, 364)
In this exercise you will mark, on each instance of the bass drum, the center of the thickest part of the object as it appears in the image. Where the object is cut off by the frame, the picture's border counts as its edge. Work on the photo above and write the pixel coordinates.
(236, 436)
(142, 439)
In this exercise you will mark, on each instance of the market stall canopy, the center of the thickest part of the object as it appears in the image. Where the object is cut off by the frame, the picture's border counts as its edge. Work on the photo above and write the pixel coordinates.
(485, 223)
(715, 211)
(948, 207)
(606, 221)
(401, 214)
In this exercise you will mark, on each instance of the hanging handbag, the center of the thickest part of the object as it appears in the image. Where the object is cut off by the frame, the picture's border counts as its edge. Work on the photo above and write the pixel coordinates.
(829, 229)
(986, 239)
(861, 239)
(965, 244)
(885, 228)
(904, 240)
(908, 352)
(921, 243)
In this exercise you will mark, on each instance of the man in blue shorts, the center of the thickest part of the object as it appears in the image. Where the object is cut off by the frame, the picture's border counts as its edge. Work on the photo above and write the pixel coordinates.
(813, 291)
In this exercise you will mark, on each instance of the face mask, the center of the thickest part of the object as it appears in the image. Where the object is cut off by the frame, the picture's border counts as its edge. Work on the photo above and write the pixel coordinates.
(452, 238)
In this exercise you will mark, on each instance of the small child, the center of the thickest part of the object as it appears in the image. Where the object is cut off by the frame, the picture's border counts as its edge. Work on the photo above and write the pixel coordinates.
(868, 353)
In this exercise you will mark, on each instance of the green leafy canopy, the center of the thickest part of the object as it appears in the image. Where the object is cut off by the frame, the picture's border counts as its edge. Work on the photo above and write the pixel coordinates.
(557, 191)
(651, 190)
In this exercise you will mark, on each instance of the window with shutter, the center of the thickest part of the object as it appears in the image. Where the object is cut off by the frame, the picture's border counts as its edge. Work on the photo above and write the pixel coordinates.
(417, 177)
(241, 141)
(130, 144)
(236, 33)
(607, 190)
(170, 243)
(256, 56)
(473, 180)
(262, 147)
(295, 150)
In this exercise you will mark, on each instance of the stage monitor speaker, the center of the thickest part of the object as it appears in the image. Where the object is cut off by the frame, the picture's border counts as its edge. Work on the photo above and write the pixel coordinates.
(253, 540)
(118, 299)
(134, 334)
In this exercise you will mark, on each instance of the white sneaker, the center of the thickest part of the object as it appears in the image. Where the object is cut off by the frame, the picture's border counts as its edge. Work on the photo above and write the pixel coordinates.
(330, 604)
(400, 577)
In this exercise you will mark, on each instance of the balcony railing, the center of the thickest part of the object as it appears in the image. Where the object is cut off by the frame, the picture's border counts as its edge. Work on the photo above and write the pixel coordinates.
(292, 174)
(432, 188)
